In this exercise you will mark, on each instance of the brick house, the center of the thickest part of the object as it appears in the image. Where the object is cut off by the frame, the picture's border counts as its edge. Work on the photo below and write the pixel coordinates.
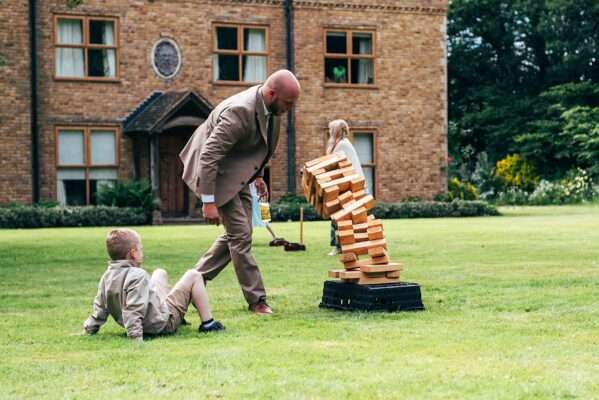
(119, 87)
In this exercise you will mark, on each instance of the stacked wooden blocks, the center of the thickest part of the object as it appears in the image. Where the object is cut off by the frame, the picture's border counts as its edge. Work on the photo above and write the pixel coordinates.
(335, 190)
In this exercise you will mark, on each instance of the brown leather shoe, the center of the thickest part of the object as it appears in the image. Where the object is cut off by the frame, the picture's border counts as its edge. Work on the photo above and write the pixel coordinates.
(260, 308)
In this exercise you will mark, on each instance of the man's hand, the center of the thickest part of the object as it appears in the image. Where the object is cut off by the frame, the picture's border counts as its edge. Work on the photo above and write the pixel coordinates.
(261, 187)
(210, 213)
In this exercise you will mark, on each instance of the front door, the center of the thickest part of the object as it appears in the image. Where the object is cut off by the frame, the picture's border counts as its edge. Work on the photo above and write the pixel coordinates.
(174, 194)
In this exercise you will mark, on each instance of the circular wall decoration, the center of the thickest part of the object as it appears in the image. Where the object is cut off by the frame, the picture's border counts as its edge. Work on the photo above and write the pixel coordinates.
(166, 58)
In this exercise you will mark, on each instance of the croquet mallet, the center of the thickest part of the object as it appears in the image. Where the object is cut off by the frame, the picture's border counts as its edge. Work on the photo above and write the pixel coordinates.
(298, 246)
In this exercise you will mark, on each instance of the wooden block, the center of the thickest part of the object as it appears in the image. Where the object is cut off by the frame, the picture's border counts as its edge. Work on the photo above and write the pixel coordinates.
(362, 247)
(350, 274)
(336, 173)
(327, 164)
(373, 223)
(348, 257)
(334, 273)
(361, 237)
(351, 206)
(358, 184)
(377, 251)
(350, 172)
(330, 193)
(359, 216)
(344, 198)
(332, 206)
(380, 260)
(393, 274)
(375, 274)
(370, 268)
(343, 183)
(375, 233)
(344, 225)
(360, 228)
(351, 265)
(315, 174)
(319, 160)
(346, 237)
(359, 195)
(345, 163)
(365, 280)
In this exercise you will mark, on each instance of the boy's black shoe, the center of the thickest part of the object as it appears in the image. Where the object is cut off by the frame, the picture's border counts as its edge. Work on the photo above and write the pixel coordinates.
(211, 326)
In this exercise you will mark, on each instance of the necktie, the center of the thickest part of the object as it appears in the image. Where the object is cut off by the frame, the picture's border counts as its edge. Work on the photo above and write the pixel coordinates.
(269, 134)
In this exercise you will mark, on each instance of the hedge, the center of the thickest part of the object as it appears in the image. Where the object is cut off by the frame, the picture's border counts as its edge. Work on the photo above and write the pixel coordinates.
(283, 211)
(40, 217)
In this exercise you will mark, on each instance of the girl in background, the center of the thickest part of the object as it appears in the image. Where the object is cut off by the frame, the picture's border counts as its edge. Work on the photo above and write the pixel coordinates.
(339, 143)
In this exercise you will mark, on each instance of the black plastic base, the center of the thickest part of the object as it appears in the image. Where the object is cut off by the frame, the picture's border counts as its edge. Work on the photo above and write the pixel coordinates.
(402, 296)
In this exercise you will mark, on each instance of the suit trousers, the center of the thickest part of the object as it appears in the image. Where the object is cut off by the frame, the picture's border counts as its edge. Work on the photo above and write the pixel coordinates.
(235, 245)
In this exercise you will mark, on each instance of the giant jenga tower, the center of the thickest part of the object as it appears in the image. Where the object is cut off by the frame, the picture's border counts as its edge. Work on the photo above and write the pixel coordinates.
(336, 190)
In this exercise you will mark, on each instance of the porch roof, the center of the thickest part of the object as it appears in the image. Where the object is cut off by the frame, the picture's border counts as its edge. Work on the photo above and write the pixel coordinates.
(160, 108)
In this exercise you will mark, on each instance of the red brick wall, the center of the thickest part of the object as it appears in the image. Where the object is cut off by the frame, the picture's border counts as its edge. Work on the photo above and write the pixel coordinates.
(15, 128)
(407, 107)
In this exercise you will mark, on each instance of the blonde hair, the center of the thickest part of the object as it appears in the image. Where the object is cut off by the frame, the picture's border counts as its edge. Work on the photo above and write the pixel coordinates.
(338, 130)
(120, 241)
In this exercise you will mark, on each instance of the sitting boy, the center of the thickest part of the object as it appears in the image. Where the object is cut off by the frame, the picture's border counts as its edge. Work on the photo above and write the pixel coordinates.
(144, 304)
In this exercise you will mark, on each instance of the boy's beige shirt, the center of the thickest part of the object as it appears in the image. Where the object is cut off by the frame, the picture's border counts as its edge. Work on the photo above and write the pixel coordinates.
(127, 293)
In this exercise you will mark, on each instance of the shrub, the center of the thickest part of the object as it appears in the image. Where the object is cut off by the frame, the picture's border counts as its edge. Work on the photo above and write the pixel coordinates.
(134, 193)
(578, 186)
(292, 198)
(512, 196)
(575, 188)
(282, 211)
(459, 190)
(515, 172)
(484, 178)
(47, 203)
(434, 209)
(39, 217)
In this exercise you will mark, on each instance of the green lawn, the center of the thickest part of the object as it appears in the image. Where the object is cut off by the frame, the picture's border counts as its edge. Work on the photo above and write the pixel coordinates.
(512, 313)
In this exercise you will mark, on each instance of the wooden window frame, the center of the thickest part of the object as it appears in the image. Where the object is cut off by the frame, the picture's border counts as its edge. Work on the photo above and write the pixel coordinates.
(240, 52)
(87, 46)
(371, 131)
(349, 56)
(372, 165)
(87, 165)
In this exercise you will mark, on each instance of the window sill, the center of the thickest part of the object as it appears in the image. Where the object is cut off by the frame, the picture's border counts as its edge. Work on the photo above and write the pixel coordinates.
(94, 80)
(349, 86)
(234, 83)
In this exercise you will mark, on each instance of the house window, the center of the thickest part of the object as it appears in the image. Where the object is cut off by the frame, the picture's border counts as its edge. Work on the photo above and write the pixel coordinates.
(240, 53)
(349, 57)
(86, 159)
(364, 144)
(86, 48)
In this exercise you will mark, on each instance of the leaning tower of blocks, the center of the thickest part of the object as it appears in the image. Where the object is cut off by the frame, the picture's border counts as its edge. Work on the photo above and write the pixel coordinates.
(337, 191)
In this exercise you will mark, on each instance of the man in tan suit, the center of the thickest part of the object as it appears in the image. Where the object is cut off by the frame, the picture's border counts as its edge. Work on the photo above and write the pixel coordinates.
(227, 152)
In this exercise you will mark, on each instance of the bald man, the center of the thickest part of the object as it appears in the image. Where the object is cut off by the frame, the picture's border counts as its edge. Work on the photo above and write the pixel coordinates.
(227, 152)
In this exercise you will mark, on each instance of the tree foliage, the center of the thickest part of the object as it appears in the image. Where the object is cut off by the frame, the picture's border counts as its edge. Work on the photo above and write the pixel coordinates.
(517, 70)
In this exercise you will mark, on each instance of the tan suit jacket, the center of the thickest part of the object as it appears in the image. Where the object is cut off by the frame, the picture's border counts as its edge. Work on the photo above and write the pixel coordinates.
(229, 148)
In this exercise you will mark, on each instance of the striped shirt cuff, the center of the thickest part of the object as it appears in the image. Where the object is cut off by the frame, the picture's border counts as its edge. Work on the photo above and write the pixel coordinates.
(207, 198)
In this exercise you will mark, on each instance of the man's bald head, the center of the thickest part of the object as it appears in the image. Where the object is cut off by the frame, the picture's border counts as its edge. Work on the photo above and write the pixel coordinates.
(280, 91)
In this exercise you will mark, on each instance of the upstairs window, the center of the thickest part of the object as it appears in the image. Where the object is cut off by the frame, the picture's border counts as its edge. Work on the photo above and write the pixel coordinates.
(240, 53)
(86, 159)
(349, 57)
(86, 48)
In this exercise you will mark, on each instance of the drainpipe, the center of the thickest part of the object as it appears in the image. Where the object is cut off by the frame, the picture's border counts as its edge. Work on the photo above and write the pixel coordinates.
(35, 167)
(290, 115)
